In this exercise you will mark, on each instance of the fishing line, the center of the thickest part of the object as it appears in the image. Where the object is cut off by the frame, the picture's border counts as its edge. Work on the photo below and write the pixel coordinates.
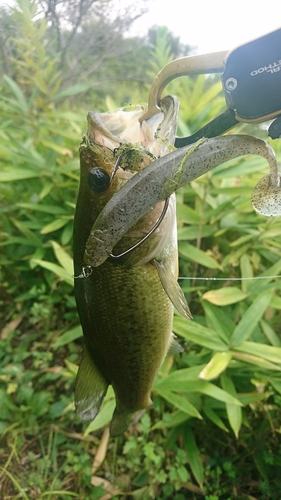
(87, 271)
(228, 279)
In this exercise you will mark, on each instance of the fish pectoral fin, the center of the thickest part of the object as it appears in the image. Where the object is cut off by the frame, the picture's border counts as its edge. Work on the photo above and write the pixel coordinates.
(174, 347)
(90, 389)
(172, 288)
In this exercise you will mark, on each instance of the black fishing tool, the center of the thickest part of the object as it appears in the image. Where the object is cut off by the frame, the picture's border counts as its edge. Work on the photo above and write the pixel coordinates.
(251, 80)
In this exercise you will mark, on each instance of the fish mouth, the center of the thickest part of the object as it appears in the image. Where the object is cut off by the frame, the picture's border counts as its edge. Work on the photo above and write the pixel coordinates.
(156, 135)
(124, 146)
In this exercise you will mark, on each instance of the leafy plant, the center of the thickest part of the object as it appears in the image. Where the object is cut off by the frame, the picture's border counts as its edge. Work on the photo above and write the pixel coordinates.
(213, 430)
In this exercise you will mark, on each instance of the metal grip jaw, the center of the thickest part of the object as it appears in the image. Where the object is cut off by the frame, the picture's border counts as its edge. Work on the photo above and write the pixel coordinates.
(251, 78)
(189, 65)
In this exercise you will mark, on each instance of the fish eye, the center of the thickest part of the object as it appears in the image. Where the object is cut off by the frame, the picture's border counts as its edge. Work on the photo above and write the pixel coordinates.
(98, 180)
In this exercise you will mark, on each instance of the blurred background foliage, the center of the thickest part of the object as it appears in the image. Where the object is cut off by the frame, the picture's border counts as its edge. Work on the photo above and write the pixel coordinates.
(214, 429)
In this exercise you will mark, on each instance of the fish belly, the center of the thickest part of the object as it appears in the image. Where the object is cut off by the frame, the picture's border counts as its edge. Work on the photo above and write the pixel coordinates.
(127, 322)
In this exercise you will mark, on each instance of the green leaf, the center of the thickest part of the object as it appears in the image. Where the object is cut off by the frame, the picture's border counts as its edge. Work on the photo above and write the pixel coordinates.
(276, 384)
(253, 397)
(17, 93)
(270, 233)
(171, 420)
(256, 361)
(234, 192)
(234, 412)
(224, 296)
(191, 232)
(181, 375)
(22, 241)
(217, 393)
(54, 226)
(241, 240)
(239, 167)
(246, 272)
(72, 367)
(187, 214)
(272, 354)
(219, 320)
(216, 365)
(68, 336)
(270, 334)
(213, 416)
(177, 381)
(195, 254)
(54, 268)
(193, 454)
(17, 174)
(39, 207)
(56, 147)
(275, 302)
(182, 473)
(73, 90)
(66, 235)
(198, 334)
(275, 270)
(179, 402)
(63, 257)
(30, 235)
(250, 319)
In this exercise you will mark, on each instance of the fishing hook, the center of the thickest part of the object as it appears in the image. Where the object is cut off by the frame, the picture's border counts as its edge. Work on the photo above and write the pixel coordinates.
(85, 273)
(117, 163)
(116, 166)
(87, 270)
(112, 256)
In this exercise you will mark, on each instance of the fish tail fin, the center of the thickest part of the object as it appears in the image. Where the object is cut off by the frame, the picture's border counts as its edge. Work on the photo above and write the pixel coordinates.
(120, 422)
(122, 417)
(90, 389)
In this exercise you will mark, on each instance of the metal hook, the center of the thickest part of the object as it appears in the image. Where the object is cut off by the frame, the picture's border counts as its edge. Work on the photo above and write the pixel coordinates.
(87, 270)
(117, 163)
(116, 166)
(112, 256)
(85, 273)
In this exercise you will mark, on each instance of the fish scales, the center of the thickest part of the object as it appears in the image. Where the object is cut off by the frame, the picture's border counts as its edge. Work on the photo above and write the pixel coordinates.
(128, 328)
(125, 305)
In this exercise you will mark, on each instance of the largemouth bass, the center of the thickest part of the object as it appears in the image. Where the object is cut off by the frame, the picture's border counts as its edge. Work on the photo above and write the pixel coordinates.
(126, 304)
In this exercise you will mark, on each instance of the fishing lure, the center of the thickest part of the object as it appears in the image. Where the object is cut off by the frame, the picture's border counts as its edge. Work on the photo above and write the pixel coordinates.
(169, 173)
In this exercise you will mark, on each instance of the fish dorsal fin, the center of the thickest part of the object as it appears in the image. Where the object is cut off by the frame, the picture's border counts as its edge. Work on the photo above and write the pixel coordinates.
(90, 389)
(172, 288)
